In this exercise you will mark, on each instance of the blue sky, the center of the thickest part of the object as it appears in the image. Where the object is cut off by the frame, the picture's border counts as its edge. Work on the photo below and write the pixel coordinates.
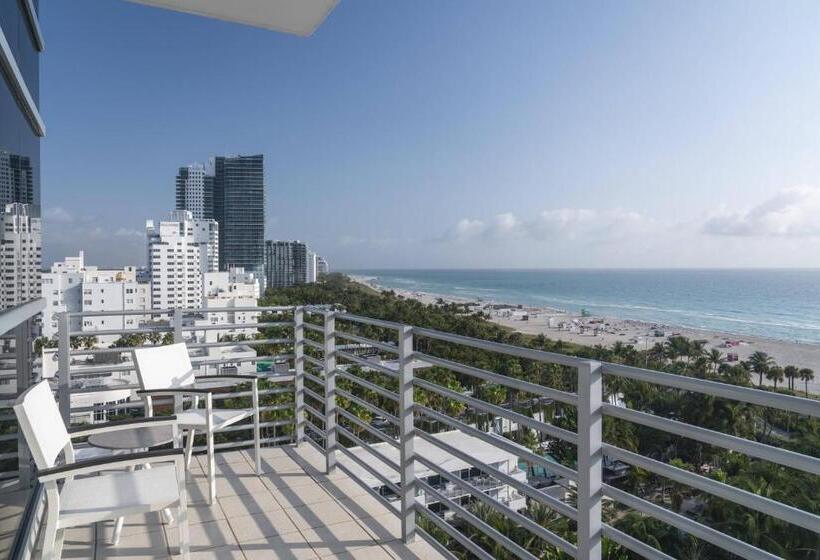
(465, 133)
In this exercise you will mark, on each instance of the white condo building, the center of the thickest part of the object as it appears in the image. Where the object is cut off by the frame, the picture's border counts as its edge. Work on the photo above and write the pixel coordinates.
(312, 268)
(73, 286)
(194, 191)
(180, 251)
(21, 257)
(234, 289)
(322, 267)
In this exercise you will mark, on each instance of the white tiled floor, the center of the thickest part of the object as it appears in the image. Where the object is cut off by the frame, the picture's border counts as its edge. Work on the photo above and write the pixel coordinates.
(293, 511)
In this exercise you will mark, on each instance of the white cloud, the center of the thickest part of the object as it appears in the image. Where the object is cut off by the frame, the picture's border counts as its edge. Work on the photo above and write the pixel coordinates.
(127, 232)
(58, 214)
(793, 212)
(562, 223)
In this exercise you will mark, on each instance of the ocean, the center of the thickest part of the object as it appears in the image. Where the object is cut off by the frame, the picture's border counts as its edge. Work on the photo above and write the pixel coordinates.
(782, 304)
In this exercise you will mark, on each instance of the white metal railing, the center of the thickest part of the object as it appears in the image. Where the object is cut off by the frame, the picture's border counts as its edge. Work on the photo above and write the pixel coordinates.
(326, 390)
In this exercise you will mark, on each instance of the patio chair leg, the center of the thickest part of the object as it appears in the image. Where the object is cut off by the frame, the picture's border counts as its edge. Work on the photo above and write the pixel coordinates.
(211, 469)
(182, 516)
(115, 537)
(50, 549)
(189, 448)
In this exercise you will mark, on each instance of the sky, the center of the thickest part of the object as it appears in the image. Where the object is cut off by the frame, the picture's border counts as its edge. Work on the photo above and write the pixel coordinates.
(459, 134)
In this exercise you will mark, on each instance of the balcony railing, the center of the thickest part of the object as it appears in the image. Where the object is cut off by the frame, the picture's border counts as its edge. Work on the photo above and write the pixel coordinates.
(320, 399)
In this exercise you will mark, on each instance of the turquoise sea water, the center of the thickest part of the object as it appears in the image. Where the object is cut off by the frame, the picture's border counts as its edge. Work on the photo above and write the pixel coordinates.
(781, 304)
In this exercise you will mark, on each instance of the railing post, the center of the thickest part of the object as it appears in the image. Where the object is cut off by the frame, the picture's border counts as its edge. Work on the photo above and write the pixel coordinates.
(64, 366)
(299, 367)
(23, 354)
(406, 431)
(178, 326)
(330, 391)
(590, 458)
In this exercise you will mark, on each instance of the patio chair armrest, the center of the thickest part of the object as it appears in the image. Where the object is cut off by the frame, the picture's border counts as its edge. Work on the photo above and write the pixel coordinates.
(98, 464)
(117, 425)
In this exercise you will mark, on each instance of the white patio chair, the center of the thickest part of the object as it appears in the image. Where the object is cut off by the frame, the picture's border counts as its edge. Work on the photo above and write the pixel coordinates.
(167, 371)
(80, 501)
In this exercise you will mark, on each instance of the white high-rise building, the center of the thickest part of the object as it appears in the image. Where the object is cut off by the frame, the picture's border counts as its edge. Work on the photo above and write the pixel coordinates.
(322, 267)
(21, 246)
(72, 286)
(312, 267)
(194, 191)
(180, 251)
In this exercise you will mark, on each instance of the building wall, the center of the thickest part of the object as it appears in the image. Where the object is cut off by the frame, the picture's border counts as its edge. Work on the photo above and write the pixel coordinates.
(21, 246)
(179, 252)
(20, 131)
(194, 191)
(71, 286)
(286, 263)
(239, 208)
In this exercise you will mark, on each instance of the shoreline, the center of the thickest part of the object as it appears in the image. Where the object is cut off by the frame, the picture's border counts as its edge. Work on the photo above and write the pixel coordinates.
(589, 330)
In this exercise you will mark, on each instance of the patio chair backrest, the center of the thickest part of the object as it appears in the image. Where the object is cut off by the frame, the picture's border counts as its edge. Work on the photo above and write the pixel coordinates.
(39, 417)
(164, 367)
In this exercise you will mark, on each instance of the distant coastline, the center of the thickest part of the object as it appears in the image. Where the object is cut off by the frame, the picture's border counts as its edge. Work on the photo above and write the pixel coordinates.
(591, 329)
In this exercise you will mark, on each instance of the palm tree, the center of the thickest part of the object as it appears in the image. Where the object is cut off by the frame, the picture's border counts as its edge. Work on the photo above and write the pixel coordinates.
(791, 372)
(715, 358)
(760, 362)
(806, 375)
(775, 374)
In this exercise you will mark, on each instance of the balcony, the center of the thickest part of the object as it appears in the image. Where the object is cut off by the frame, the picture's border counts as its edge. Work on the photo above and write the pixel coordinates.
(352, 437)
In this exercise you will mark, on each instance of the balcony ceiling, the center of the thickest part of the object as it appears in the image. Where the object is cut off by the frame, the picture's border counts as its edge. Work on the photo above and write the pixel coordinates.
(299, 17)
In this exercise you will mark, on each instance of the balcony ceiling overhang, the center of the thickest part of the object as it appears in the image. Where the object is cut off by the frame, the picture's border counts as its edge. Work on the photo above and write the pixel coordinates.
(299, 17)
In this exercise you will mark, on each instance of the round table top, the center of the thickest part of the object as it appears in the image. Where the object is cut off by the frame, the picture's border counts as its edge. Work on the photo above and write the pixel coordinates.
(134, 438)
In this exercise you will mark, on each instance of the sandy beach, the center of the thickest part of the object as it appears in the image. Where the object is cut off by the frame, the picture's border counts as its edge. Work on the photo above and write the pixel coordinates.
(590, 330)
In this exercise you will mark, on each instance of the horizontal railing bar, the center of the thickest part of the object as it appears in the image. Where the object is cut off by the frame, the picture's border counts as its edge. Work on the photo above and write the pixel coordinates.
(316, 379)
(249, 426)
(313, 344)
(367, 447)
(513, 383)
(549, 501)
(371, 407)
(366, 466)
(477, 523)
(314, 412)
(522, 520)
(367, 385)
(10, 455)
(633, 544)
(789, 403)
(316, 396)
(313, 361)
(368, 428)
(369, 321)
(141, 330)
(251, 342)
(230, 326)
(462, 539)
(355, 477)
(362, 340)
(501, 348)
(736, 495)
(478, 404)
(683, 523)
(315, 428)
(499, 441)
(752, 448)
(314, 328)
(170, 311)
(121, 313)
(367, 363)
